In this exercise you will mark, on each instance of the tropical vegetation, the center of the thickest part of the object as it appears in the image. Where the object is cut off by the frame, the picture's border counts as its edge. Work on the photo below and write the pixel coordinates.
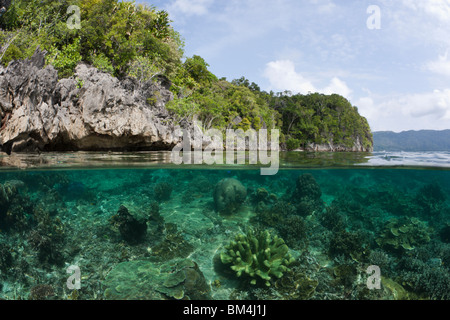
(127, 39)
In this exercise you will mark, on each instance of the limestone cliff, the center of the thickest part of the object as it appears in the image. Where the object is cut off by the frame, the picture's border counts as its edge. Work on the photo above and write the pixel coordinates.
(90, 111)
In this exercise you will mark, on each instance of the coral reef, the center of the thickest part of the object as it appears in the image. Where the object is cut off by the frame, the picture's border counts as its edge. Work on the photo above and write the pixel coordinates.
(348, 244)
(163, 191)
(293, 231)
(445, 234)
(427, 280)
(173, 245)
(404, 234)
(147, 248)
(307, 195)
(155, 223)
(296, 286)
(145, 280)
(345, 275)
(257, 255)
(41, 292)
(131, 229)
(229, 194)
(6, 259)
(47, 237)
(273, 216)
(14, 206)
(430, 198)
(332, 219)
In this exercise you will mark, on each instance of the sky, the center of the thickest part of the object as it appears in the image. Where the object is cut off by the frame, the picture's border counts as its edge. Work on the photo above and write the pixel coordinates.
(389, 58)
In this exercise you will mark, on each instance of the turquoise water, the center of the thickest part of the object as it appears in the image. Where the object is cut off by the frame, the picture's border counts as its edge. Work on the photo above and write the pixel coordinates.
(133, 226)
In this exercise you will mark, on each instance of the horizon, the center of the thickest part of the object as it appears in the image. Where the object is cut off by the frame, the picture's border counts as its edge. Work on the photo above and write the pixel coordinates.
(420, 130)
(388, 58)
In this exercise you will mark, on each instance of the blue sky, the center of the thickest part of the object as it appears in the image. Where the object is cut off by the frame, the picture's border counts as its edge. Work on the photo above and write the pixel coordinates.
(398, 75)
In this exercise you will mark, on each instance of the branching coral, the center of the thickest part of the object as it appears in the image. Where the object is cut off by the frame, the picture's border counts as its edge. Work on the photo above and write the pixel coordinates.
(257, 255)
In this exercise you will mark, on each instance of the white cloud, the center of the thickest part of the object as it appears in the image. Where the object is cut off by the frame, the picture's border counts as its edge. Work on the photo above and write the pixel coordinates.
(324, 6)
(190, 7)
(337, 86)
(283, 76)
(428, 110)
(439, 9)
(440, 66)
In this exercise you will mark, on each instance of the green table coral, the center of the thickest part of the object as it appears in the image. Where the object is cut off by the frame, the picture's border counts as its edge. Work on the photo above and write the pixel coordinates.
(257, 255)
(404, 234)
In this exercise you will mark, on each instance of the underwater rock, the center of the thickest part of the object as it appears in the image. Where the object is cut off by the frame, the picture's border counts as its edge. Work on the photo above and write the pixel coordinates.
(131, 229)
(257, 255)
(307, 195)
(229, 194)
(179, 279)
(405, 234)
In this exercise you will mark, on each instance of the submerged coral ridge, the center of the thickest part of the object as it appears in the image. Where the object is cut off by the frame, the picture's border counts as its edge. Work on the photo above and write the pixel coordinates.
(219, 234)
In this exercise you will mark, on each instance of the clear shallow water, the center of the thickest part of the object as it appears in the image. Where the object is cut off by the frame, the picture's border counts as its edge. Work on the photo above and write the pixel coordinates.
(288, 160)
(337, 214)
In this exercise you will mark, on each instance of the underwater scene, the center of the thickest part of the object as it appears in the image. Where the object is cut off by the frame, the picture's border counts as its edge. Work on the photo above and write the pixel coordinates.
(323, 229)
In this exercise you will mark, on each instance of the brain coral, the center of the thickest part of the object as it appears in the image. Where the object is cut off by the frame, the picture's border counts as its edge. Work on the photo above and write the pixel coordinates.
(229, 194)
(257, 255)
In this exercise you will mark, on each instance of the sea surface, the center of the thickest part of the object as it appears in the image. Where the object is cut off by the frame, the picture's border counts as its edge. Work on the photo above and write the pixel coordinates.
(326, 226)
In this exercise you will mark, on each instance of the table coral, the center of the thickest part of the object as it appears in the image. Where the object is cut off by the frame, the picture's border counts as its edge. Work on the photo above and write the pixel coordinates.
(404, 234)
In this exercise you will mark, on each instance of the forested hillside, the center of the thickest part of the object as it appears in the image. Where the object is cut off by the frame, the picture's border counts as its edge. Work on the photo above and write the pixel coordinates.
(415, 141)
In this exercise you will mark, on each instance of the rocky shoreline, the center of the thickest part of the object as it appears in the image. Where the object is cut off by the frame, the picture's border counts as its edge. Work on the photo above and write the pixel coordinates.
(90, 111)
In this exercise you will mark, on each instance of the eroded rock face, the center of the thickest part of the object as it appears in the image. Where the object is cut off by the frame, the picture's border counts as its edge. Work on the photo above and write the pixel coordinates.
(90, 111)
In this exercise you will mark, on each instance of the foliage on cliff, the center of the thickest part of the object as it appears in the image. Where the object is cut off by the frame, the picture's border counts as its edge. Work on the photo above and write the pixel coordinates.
(128, 39)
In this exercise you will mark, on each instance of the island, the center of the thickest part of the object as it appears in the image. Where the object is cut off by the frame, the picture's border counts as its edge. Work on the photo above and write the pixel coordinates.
(112, 76)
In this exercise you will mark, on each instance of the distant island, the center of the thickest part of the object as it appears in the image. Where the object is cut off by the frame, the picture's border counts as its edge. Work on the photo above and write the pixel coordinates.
(412, 141)
(121, 82)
